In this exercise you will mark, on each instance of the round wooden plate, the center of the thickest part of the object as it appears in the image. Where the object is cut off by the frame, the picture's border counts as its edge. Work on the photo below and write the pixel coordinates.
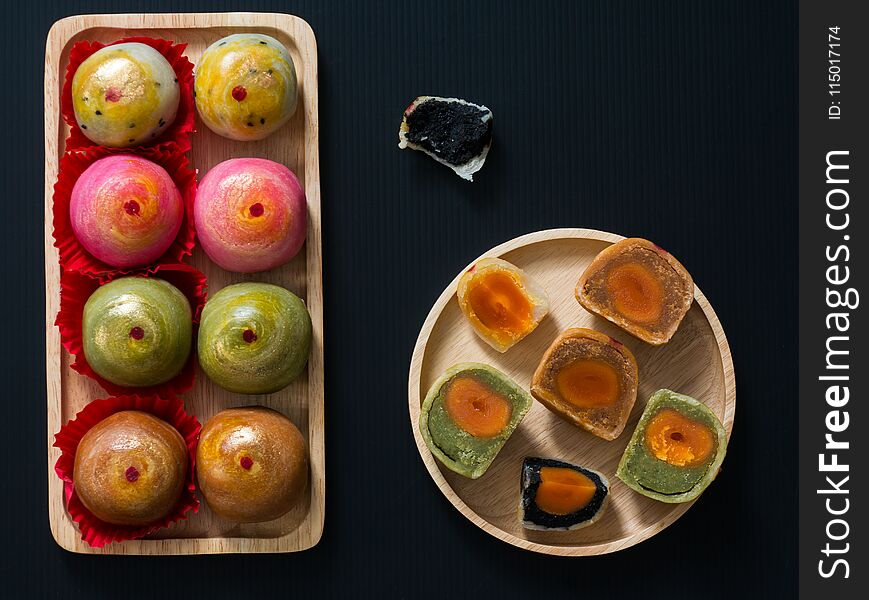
(696, 361)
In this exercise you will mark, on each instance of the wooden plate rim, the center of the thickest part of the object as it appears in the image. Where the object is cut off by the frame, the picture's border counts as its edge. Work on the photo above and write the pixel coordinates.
(415, 400)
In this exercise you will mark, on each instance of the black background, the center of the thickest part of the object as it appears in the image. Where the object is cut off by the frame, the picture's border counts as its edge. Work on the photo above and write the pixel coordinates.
(675, 121)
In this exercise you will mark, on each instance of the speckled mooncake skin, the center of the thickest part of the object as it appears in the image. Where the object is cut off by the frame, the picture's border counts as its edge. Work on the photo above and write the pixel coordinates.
(126, 210)
(254, 338)
(137, 331)
(250, 214)
(245, 86)
(125, 95)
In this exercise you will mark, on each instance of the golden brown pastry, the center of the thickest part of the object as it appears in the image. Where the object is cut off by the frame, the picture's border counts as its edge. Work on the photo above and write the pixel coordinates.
(251, 463)
(130, 468)
(638, 286)
(589, 379)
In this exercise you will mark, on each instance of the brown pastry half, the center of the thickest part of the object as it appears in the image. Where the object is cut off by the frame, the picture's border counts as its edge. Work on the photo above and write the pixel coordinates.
(130, 468)
(589, 379)
(638, 286)
(251, 463)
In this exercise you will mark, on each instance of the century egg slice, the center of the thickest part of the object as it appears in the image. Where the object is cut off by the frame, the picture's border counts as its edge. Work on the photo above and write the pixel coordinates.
(638, 286)
(468, 414)
(589, 379)
(559, 495)
(502, 303)
(676, 450)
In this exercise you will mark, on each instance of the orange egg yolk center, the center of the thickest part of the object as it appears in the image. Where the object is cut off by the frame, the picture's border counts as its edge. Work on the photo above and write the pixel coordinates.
(588, 384)
(476, 408)
(563, 491)
(500, 303)
(637, 294)
(678, 440)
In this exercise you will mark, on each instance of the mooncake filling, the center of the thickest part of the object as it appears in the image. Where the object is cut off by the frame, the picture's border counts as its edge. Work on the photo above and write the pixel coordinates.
(500, 303)
(589, 383)
(477, 409)
(678, 440)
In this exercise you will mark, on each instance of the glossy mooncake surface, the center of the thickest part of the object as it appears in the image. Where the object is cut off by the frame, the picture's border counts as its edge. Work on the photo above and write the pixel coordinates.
(137, 331)
(126, 210)
(245, 86)
(254, 338)
(250, 214)
(125, 95)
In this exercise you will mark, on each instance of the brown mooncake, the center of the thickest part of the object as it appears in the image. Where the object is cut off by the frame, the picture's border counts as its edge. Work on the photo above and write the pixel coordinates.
(638, 286)
(251, 464)
(589, 379)
(130, 468)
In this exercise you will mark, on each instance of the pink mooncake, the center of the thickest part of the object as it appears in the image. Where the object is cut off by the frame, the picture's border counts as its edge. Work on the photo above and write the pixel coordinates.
(126, 210)
(250, 215)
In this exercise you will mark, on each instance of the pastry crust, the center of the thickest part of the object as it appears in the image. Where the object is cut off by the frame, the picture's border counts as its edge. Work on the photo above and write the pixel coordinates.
(674, 278)
(578, 344)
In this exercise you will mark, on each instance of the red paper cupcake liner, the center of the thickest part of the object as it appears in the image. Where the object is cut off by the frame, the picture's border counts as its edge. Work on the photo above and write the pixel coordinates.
(76, 288)
(98, 533)
(178, 134)
(73, 256)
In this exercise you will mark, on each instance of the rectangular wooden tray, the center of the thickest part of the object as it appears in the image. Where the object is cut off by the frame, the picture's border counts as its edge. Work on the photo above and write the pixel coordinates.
(295, 145)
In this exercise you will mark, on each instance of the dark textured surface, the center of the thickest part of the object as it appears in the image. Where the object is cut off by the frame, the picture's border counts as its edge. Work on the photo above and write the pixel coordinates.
(674, 121)
(452, 131)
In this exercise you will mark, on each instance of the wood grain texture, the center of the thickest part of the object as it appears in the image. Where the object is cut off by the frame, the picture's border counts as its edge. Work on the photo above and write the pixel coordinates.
(295, 145)
(696, 361)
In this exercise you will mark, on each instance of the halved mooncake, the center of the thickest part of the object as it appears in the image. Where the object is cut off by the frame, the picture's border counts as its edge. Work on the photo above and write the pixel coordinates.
(638, 286)
(559, 495)
(589, 379)
(502, 303)
(468, 414)
(676, 450)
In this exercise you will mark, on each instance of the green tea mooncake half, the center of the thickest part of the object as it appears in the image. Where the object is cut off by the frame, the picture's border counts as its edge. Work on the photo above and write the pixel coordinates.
(676, 450)
(468, 415)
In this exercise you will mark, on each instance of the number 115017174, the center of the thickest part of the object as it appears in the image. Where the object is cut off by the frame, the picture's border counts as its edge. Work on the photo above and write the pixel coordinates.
(834, 72)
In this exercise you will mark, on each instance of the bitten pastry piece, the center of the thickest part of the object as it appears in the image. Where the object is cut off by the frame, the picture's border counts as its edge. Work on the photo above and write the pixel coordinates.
(468, 414)
(638, 286)
(454, 132)
(137, 331)
(245, 86)
(502, 303)
(125, 95)
(589, 379)
(559, 495)
(676, 450)
(126, 210)
(130, 468)
(251, 464)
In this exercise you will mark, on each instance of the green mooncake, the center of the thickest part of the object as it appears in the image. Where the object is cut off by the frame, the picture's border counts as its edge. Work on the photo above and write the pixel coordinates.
(137, 331)
(254, 338)
(468, 415)
(676, 449)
